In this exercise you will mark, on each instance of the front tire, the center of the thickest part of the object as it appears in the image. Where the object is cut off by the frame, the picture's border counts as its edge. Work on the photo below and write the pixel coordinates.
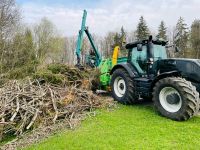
(176, 98)
(122, 87)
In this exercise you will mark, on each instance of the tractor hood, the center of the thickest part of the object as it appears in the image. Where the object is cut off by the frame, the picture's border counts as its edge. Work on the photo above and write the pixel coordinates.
(186, 59)
(188, 68)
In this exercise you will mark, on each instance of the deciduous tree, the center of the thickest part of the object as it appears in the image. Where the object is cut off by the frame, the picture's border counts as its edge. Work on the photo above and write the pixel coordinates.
(195, 38)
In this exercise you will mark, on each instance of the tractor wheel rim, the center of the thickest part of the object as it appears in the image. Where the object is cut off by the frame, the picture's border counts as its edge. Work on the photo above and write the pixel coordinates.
(170, 99)
(119, 86)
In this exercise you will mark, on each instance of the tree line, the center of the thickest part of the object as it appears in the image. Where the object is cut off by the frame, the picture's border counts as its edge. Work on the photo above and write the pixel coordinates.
(23, 46)
(187, 39)
(31, 46)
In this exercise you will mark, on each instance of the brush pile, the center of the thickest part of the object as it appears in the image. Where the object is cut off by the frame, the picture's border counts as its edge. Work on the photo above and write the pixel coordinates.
(45, 99)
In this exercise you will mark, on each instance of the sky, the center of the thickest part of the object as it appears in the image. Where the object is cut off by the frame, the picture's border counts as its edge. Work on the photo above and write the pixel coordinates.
(108, 15)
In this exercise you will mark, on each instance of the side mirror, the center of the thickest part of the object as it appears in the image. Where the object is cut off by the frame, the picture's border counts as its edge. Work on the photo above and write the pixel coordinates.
(177, 49)
(139, 47)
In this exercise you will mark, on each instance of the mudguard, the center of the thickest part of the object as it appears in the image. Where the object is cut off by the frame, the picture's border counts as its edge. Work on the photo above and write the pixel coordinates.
(164, 75)
(126, 66)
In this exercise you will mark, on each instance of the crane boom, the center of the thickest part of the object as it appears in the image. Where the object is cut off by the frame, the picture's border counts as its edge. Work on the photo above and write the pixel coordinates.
(80, 38)
(97, 55)
(80, 42)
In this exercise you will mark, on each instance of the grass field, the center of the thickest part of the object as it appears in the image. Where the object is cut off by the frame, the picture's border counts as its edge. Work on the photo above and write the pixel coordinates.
(128, 127)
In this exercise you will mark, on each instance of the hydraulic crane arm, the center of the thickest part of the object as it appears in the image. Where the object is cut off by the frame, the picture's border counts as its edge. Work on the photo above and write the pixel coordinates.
(80, 42)
(80, 38)
(97, 55)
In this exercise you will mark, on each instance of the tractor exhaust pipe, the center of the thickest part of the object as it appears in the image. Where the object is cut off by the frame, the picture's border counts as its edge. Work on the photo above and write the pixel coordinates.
(150, 55)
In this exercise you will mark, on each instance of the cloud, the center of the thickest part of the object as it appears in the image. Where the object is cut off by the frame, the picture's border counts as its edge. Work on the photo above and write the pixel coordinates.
(111, 15)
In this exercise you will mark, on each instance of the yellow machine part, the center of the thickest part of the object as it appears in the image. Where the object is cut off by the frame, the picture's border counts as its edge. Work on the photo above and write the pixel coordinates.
(115, 55)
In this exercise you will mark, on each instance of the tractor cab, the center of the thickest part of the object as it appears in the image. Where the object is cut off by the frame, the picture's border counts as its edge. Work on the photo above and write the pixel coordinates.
(145, 55)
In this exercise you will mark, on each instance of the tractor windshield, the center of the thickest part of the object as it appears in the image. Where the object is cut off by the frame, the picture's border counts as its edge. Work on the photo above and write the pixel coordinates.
(159, 52)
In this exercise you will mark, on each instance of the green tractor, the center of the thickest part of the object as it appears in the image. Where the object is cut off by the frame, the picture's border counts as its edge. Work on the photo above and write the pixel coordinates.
(147, 73)
(172, 84)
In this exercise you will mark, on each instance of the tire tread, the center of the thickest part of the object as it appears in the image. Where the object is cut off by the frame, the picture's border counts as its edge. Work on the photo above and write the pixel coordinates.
(190, 95)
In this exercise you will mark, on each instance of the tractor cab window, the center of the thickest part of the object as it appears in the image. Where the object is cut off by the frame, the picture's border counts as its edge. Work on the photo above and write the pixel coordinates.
(139, 59)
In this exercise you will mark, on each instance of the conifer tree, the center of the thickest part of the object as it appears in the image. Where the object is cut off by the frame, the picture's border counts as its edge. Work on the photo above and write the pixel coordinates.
(142, 31)
(162, 30)
(181, 35)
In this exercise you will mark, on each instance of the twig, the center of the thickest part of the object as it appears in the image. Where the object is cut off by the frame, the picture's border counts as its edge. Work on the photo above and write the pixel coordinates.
(33, 120)
(16, 111)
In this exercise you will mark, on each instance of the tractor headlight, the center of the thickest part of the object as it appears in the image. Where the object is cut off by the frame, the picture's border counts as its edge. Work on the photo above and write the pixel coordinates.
(151, 59)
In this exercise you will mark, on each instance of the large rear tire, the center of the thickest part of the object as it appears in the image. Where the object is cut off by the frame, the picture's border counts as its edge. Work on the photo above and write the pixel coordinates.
(176, 98)
(122, 87)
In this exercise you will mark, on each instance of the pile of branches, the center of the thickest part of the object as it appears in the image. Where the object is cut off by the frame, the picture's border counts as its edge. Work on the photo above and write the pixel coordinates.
(28, 104)
(63, 75)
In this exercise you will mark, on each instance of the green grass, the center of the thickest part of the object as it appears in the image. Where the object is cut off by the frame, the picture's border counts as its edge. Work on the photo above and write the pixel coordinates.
(7, 139)
(129, 127)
